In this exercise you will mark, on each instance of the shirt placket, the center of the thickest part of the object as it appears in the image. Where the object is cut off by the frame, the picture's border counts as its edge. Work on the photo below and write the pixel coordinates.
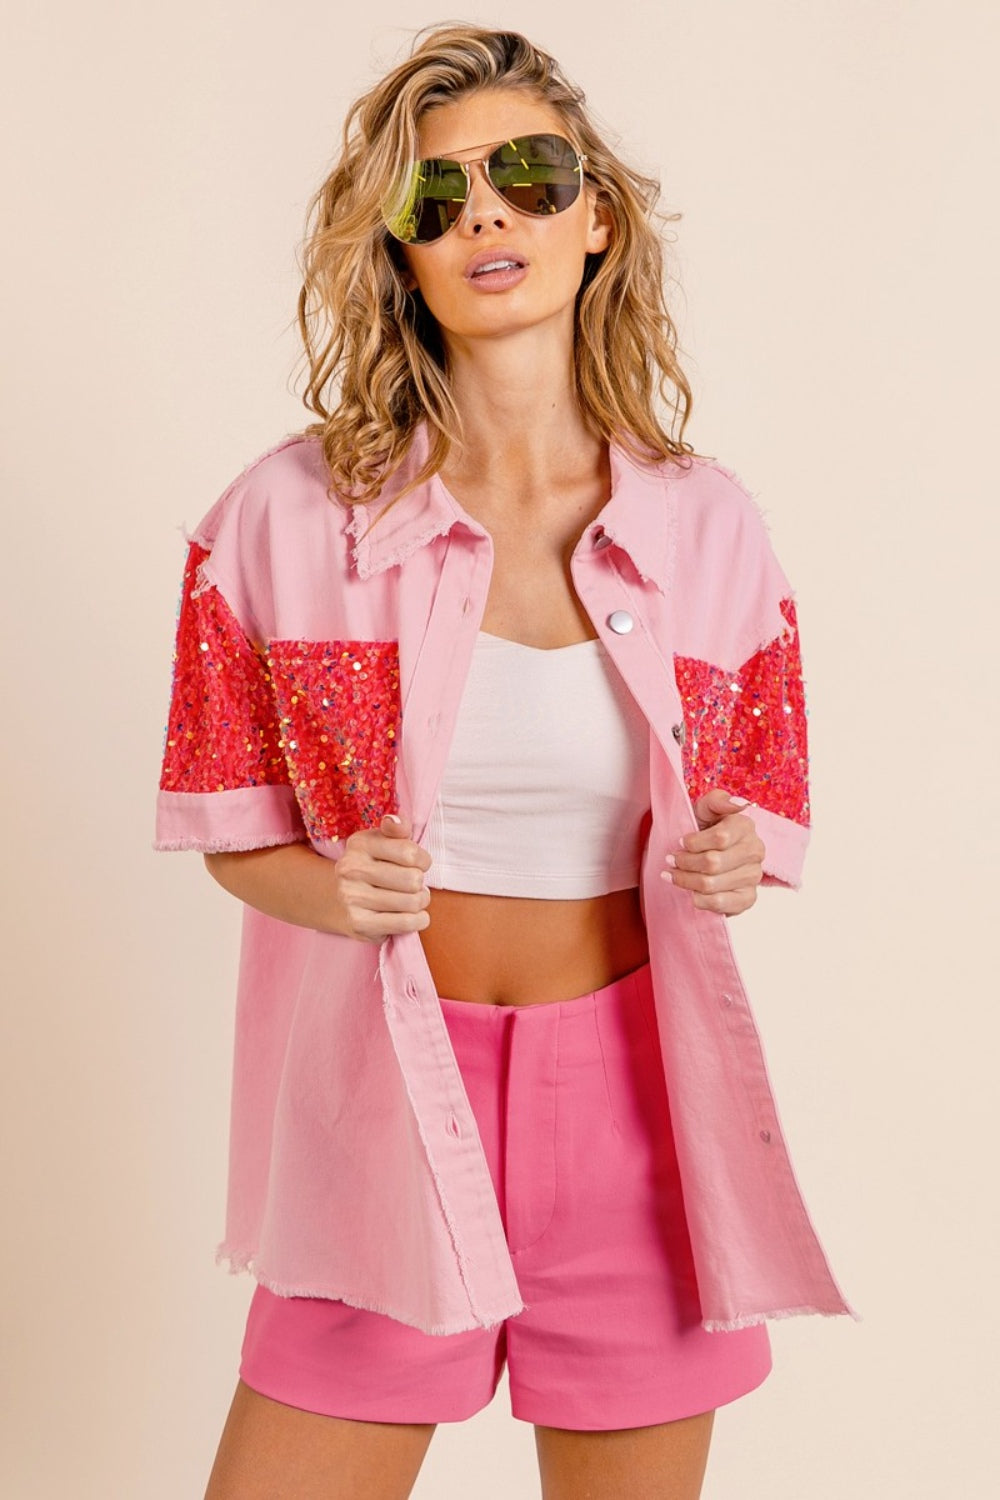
(444, 1118)
(622, 617)
(747, 1119)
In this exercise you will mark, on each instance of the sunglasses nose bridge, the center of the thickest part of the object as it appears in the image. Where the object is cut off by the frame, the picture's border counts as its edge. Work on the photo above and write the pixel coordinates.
(479, 186)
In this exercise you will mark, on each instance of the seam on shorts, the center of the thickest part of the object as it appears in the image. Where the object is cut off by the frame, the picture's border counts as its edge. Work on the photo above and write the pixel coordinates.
(615, 1125)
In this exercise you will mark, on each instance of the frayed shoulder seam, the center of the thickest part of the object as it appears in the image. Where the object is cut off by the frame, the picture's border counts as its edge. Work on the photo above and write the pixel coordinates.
(752, 497)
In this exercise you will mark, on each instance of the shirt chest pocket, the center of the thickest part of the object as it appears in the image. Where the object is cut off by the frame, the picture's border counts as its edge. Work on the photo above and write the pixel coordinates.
(338, 711)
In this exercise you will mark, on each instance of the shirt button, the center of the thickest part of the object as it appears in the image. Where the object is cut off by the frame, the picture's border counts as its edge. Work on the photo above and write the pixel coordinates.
(677, 730)
(621, 621)
(601, 538)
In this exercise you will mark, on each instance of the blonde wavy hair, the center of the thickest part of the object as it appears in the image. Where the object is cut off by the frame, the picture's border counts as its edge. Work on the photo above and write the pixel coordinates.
(379, 348)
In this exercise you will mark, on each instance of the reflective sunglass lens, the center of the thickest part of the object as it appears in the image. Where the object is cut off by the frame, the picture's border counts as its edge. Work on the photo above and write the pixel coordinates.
(429, 201)
(537, 174)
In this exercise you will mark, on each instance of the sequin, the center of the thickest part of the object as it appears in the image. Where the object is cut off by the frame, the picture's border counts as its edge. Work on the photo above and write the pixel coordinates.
(222, 731)
(747, 731)
(339, 716)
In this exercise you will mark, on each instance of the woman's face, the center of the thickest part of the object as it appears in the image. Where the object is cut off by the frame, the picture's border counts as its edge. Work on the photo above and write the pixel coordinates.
(553, 246)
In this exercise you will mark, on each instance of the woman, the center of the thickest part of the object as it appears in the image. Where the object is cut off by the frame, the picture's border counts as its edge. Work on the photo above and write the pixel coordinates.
(487, 704)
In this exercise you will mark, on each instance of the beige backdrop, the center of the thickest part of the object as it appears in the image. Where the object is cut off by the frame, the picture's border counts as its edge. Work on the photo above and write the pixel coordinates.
(838, 256)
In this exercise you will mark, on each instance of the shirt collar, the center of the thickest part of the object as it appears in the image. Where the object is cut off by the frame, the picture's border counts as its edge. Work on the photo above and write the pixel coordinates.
(639, 516)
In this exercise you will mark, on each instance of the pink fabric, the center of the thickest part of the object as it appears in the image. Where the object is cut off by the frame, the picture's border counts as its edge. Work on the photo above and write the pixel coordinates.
(356, 1170)
(572, 1113)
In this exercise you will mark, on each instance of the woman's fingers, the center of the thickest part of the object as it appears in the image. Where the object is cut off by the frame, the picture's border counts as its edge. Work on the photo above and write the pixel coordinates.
(380, 882)
(373, 926)
(391, 847)
(722, 866)
(385, 860)
(363, 870)
(729, 903)
(718, 861)
(715, 883)
(722, 835)
(379, 898)
(375, 911)
(717, 803)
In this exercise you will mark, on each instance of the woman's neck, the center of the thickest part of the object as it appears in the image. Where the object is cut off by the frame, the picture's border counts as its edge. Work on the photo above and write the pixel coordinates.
(521, 418)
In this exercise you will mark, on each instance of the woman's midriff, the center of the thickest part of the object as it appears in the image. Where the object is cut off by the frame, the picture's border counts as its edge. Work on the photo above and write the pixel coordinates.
(515, 950)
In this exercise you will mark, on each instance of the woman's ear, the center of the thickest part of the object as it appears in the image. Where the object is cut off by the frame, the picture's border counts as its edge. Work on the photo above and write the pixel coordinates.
(601, 223)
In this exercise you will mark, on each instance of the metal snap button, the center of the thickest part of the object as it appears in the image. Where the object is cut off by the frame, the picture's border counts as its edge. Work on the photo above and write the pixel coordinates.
(620, 621)
(601, 538)
(679, 732)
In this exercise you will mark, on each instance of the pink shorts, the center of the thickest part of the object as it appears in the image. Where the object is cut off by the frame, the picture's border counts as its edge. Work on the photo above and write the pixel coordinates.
(571, 1105)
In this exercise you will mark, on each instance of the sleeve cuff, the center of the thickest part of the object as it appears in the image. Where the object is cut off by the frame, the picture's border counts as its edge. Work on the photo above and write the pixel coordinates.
(785, 846)
(254, 817)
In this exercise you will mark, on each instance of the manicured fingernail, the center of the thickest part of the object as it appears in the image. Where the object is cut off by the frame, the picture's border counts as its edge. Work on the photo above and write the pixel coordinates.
(740, 801)
(669, 860)
(666, 875)
(391, 818)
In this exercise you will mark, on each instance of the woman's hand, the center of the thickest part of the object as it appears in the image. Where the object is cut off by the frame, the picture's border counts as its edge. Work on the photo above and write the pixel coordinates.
(722, 864)
(379, 883)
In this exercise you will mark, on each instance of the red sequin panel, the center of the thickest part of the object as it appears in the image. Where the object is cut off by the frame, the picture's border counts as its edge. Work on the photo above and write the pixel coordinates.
(746, 730)
(339, 705)
(222, 733)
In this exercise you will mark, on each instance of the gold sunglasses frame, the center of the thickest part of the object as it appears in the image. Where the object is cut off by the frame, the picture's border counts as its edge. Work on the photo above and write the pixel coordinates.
(483, 163)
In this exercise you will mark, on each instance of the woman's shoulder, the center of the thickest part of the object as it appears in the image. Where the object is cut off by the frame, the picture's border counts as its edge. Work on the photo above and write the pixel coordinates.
(718, 516)
(705, 484)
(287, 478)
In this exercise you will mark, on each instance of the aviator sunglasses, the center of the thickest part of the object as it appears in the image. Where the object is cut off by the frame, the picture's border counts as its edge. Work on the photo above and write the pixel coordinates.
(535, 174)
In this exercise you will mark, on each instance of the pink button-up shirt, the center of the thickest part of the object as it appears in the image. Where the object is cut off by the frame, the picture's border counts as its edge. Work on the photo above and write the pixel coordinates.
(319, 666)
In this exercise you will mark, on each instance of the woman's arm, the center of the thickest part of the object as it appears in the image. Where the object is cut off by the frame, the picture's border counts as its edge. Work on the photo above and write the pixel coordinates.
(375, 890)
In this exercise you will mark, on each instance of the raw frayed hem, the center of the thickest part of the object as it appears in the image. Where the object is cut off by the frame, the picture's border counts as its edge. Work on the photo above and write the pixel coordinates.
(749, 1320)
(395, 558)
(230, 845)
(239, 1261)
(203, 580)
(780, 875)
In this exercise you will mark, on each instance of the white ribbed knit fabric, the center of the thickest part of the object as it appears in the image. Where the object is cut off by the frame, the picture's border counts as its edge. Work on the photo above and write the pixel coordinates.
(547, 782)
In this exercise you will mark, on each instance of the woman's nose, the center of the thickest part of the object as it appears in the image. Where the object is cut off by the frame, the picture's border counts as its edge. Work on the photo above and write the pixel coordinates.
(484, 204)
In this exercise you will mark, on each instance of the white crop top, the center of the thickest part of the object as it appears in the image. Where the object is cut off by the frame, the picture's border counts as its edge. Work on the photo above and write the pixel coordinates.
(546, 789)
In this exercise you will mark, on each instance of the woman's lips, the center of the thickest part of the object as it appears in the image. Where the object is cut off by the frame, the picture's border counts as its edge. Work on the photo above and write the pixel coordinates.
(497, 280)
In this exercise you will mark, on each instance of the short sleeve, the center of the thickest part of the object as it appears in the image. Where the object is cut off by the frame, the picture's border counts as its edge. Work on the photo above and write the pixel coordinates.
(224, 783)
